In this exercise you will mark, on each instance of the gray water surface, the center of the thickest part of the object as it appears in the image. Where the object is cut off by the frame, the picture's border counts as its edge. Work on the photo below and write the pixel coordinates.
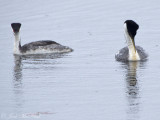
(86, 84)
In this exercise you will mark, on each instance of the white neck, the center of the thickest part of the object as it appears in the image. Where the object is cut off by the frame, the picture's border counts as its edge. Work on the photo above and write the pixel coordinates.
(17, 44)
(133, 54)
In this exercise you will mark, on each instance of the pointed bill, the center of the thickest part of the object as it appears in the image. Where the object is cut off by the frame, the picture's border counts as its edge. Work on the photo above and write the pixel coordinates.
(133, 44)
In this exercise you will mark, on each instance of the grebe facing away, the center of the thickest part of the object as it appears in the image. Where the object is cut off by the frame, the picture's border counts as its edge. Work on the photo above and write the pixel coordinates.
(131, 52)
(38, 47)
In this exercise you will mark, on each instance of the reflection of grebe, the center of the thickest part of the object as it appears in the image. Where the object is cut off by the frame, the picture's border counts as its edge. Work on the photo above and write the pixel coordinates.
(17, 73)
(131, 78)
(38, 47)
(132, 90)
(131, 52)
(20, 60)
(23, 63)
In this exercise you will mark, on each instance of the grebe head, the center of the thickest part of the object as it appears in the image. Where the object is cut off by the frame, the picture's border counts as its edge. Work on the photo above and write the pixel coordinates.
(17, 44)
(132, 28)
(16, 27)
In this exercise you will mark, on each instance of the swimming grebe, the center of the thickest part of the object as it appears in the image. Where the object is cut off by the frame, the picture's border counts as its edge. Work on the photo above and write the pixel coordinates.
(131, 52)
(38, 47)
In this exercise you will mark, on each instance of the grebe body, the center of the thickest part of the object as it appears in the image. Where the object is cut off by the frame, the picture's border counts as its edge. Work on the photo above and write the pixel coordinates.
(37, 47)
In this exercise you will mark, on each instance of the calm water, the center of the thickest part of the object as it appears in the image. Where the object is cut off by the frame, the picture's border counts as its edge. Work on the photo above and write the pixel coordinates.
(87, 84)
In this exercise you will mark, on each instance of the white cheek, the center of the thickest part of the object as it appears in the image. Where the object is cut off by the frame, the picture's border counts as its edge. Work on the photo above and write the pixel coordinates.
(125, 26)
(127, 36)
(126, 31)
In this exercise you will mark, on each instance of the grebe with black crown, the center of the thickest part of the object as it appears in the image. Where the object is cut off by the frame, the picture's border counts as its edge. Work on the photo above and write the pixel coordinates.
(38, 47)
(131, 52)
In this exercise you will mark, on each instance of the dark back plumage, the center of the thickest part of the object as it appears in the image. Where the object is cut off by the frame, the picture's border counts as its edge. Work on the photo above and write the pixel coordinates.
(35, 45)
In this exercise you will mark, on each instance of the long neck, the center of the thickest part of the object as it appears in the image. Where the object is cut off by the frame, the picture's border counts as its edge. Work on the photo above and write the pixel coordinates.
(17, 43)
(133, 54)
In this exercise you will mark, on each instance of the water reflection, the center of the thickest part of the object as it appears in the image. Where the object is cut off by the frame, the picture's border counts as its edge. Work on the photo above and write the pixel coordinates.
(133, 89)
(19, 61)
(17, 84)
(18, 70)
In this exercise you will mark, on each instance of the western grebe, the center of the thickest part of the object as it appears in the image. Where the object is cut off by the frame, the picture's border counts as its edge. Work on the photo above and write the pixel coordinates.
(38, 47)
(131, 52)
